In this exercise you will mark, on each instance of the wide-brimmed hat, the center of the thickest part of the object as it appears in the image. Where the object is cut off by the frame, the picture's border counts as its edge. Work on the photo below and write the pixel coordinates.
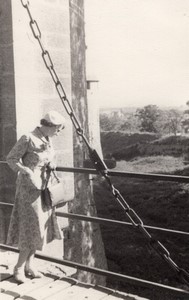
(55, 118)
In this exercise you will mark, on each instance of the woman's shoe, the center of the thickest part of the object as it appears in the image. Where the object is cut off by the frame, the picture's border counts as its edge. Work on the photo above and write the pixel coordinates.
(32, 272)
(19, 275)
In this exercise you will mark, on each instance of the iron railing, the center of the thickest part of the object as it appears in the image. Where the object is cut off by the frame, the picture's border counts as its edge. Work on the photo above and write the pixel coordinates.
(127, 279)
(120, 277)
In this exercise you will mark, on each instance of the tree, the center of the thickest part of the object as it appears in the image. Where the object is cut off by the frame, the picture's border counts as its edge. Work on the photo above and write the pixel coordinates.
(148, 116)
(105, 123)
(185, 119)
(173, 121)
(129, 123)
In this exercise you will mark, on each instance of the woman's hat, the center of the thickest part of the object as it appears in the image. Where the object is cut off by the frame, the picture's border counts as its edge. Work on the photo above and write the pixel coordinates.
(54, 118)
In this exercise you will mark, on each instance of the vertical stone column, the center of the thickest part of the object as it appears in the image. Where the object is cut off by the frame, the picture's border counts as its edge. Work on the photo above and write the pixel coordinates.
(84, 243)
(7, 112)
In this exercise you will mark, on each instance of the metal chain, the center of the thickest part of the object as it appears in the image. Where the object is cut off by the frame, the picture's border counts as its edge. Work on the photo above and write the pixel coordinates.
(97, 161)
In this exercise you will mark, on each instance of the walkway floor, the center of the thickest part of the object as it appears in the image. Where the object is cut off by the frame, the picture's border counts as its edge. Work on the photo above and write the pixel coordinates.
(56, 284)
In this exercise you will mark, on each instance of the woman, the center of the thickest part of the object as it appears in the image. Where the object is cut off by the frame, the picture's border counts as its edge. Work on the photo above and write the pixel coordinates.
(32, 225)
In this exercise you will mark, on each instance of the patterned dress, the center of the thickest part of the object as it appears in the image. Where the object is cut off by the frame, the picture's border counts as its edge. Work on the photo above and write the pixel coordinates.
(32, 225)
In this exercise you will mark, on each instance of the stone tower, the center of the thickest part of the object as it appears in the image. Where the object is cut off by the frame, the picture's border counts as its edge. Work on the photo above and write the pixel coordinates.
(27, 91)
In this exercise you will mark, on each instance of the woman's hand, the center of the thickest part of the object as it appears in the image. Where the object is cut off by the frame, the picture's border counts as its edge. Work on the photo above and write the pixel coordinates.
(26, 171)
(52, 166)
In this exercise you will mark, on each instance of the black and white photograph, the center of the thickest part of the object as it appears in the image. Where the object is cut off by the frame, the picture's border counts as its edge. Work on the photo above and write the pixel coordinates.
(94, 149)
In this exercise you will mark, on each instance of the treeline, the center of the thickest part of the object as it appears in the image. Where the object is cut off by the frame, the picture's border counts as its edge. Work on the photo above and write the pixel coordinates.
(150, 119)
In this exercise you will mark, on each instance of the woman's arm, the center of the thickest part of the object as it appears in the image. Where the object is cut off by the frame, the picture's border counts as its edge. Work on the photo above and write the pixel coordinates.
(14, 158)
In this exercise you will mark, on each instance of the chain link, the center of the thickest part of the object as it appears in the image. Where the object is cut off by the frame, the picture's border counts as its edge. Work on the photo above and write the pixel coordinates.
(47, 60)
(35, 29)
(25, 3)
(144, 232)
(97, 161)
(60, 90)
(159, 248)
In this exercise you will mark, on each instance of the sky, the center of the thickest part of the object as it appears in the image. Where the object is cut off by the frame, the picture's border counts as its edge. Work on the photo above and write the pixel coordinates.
(139, 51)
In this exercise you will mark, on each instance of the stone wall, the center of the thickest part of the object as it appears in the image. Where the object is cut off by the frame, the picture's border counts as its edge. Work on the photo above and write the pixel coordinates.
(7, 112)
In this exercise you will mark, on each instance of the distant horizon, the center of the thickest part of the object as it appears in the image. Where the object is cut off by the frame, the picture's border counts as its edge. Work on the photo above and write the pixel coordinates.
(134, 106)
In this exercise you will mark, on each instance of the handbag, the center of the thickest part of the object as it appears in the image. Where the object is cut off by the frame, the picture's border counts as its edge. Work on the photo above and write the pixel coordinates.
(54, 195)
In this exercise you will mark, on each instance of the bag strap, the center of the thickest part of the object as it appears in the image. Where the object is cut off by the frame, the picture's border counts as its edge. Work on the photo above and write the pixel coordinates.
(55, 176)
(48, 171)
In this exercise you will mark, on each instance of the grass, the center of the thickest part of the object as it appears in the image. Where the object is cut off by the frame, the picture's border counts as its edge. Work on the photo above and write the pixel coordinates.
(152, 164)
(157, 203)
(124, 146)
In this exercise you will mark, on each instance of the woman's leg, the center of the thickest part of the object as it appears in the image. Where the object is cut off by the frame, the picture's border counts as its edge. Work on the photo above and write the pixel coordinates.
(30, 259)
(19, 268)
(23, 255)
(30, 268)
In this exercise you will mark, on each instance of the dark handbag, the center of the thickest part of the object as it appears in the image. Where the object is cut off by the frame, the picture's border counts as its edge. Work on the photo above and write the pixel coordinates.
(46, 199)
(55, 194)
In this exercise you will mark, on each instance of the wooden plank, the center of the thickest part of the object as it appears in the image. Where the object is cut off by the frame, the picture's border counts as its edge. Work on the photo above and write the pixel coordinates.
(123, 296)
(5, 272)
(56, 269)
(50, 285)
(28, 286)
(81, 292)
(4, 276)
(96, 293)
(6, 297)
(8, 257)
(73, 292)
(8, 284)
(49, 290)
(3, 268)
(117, 297)
(7, 260)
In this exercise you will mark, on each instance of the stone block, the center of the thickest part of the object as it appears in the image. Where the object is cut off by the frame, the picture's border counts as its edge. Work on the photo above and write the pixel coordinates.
(7, 184)
(6, 16)
(8, 111)
(5, 214)
(7, 85)
(7, 59)
(6, 38)
(9, 138)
